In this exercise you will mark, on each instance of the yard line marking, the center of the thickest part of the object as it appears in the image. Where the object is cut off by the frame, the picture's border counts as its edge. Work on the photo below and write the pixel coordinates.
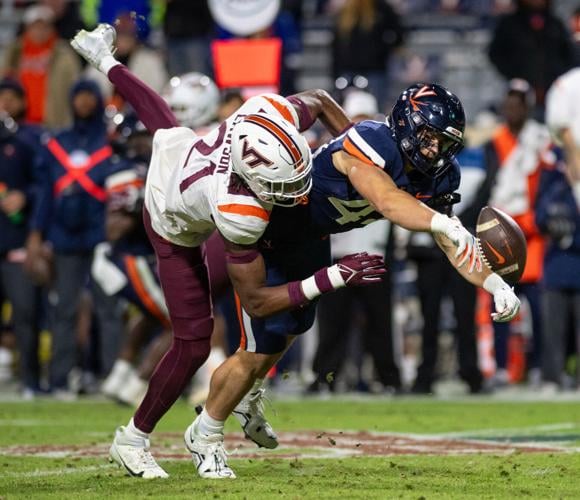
(58, 472)
(512, 431)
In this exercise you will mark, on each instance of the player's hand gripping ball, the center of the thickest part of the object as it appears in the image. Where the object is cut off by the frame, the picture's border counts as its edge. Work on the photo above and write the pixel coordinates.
(502, 244)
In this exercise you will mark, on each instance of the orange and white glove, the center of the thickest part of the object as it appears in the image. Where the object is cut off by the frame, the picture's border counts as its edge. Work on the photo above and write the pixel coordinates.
(466, 243)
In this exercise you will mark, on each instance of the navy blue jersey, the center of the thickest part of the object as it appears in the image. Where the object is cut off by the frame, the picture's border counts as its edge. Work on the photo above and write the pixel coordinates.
(334, 205)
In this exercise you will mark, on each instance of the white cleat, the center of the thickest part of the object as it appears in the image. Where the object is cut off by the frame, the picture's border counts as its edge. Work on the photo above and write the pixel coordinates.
(208, 454)
(133, 391)
(250, 415)
(95, 45)
(116, 380)
(133, 454)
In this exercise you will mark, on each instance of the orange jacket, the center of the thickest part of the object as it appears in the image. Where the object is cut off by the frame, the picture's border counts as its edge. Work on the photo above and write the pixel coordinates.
(504, 143)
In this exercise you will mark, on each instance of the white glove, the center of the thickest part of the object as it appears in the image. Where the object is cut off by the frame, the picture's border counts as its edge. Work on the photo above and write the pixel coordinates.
(96, 46)
(466, 243)
(506, 301)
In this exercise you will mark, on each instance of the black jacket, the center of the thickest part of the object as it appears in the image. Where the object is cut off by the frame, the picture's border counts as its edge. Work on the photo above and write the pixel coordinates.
(534, 46)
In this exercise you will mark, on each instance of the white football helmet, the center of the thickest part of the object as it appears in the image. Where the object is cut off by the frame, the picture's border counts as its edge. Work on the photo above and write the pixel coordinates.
(273, 158)
(193, 98)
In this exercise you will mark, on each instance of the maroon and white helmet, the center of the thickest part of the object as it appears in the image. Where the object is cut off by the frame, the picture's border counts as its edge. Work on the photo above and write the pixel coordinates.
(273, 158)
(193, 98)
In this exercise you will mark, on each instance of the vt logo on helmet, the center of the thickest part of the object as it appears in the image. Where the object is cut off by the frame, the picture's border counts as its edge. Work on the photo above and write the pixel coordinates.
(428, 123)
(273, 158)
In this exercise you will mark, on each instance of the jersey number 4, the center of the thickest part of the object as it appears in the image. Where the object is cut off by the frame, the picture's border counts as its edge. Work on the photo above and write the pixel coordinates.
(353, 211)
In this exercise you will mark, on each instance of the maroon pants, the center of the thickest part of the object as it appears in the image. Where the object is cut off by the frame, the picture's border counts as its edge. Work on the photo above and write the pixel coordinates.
(185, 283)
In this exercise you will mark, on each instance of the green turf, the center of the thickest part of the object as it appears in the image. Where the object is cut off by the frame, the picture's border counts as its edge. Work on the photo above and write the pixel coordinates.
(538, 475)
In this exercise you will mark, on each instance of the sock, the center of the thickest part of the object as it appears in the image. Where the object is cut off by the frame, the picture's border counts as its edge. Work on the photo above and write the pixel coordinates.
(132, 431)
(207, 425)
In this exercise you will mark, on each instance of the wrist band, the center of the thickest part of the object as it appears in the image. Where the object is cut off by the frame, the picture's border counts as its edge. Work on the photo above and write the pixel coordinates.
(439, 223)
(493, 283)
(107, 63)
(297, 297)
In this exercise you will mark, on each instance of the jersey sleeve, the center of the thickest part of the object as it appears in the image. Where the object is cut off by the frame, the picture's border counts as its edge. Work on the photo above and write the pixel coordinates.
(240, 221)
(362, 142)
(272, 104)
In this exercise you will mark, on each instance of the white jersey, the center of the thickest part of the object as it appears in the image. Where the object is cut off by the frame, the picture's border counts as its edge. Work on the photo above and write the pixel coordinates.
(190, 189)
(563, 105)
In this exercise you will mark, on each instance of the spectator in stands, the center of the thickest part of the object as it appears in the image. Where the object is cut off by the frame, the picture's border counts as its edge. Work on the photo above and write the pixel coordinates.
(336, 316)
(575, 28)
(146, 14)
(45, 65)
(13, 102)
(515, 154)
(365, 34)
(532, 44)
(144, 62)
(558, 216)
(70, 215)
(67, 18)
(187, 36)
(16, 200)
(435, 277)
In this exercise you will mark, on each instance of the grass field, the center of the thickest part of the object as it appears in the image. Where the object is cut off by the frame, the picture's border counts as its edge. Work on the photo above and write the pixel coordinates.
(413, 448)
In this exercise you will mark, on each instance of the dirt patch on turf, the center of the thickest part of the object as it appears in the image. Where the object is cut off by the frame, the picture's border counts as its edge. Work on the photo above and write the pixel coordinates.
(305, 444)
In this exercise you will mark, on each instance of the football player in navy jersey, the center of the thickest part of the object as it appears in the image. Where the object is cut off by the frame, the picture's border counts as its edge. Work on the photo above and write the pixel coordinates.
(396, 169)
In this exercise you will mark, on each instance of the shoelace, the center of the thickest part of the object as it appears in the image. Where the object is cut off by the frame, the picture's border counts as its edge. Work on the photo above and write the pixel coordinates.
(147, 459)
(219, 451)
(256, 403)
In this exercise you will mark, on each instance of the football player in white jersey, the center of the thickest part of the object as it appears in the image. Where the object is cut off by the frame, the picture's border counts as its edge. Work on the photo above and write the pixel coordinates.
(563, 119)
(227, 180)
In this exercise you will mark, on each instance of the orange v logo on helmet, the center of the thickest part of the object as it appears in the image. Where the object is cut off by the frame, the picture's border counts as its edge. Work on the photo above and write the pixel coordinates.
(257, 159)
(424, 91)
(500, 258)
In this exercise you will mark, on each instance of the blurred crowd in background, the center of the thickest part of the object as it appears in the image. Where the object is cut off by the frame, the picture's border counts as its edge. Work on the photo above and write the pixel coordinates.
(65, 134)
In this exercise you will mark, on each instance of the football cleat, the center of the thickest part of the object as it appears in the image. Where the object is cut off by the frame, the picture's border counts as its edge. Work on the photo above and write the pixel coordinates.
(133, 454)
(120, 373)
(133, 391)
(208, 454)
(95, 45)
(250, 415)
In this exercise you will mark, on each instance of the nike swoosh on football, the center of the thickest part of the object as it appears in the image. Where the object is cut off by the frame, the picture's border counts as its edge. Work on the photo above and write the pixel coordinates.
(500, 258)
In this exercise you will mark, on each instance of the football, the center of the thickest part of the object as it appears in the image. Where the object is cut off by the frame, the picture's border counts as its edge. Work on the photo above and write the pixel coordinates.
(502, 244)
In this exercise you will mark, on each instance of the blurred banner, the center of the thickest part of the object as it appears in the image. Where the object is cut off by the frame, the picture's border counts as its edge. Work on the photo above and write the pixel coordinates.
(252, 65)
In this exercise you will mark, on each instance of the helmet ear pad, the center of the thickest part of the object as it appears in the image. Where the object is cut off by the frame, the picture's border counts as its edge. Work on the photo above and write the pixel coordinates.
(272, 157)
(428, 107)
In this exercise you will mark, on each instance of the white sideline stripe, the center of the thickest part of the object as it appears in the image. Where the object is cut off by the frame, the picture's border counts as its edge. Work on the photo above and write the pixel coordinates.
(58, 472)
(514, 431)
(29, 422)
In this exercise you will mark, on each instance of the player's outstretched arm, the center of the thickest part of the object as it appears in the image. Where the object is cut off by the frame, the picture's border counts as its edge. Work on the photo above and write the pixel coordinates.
(506, 301)
(247, 271)
(96, 47)
(313, 104)
(398, 206)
